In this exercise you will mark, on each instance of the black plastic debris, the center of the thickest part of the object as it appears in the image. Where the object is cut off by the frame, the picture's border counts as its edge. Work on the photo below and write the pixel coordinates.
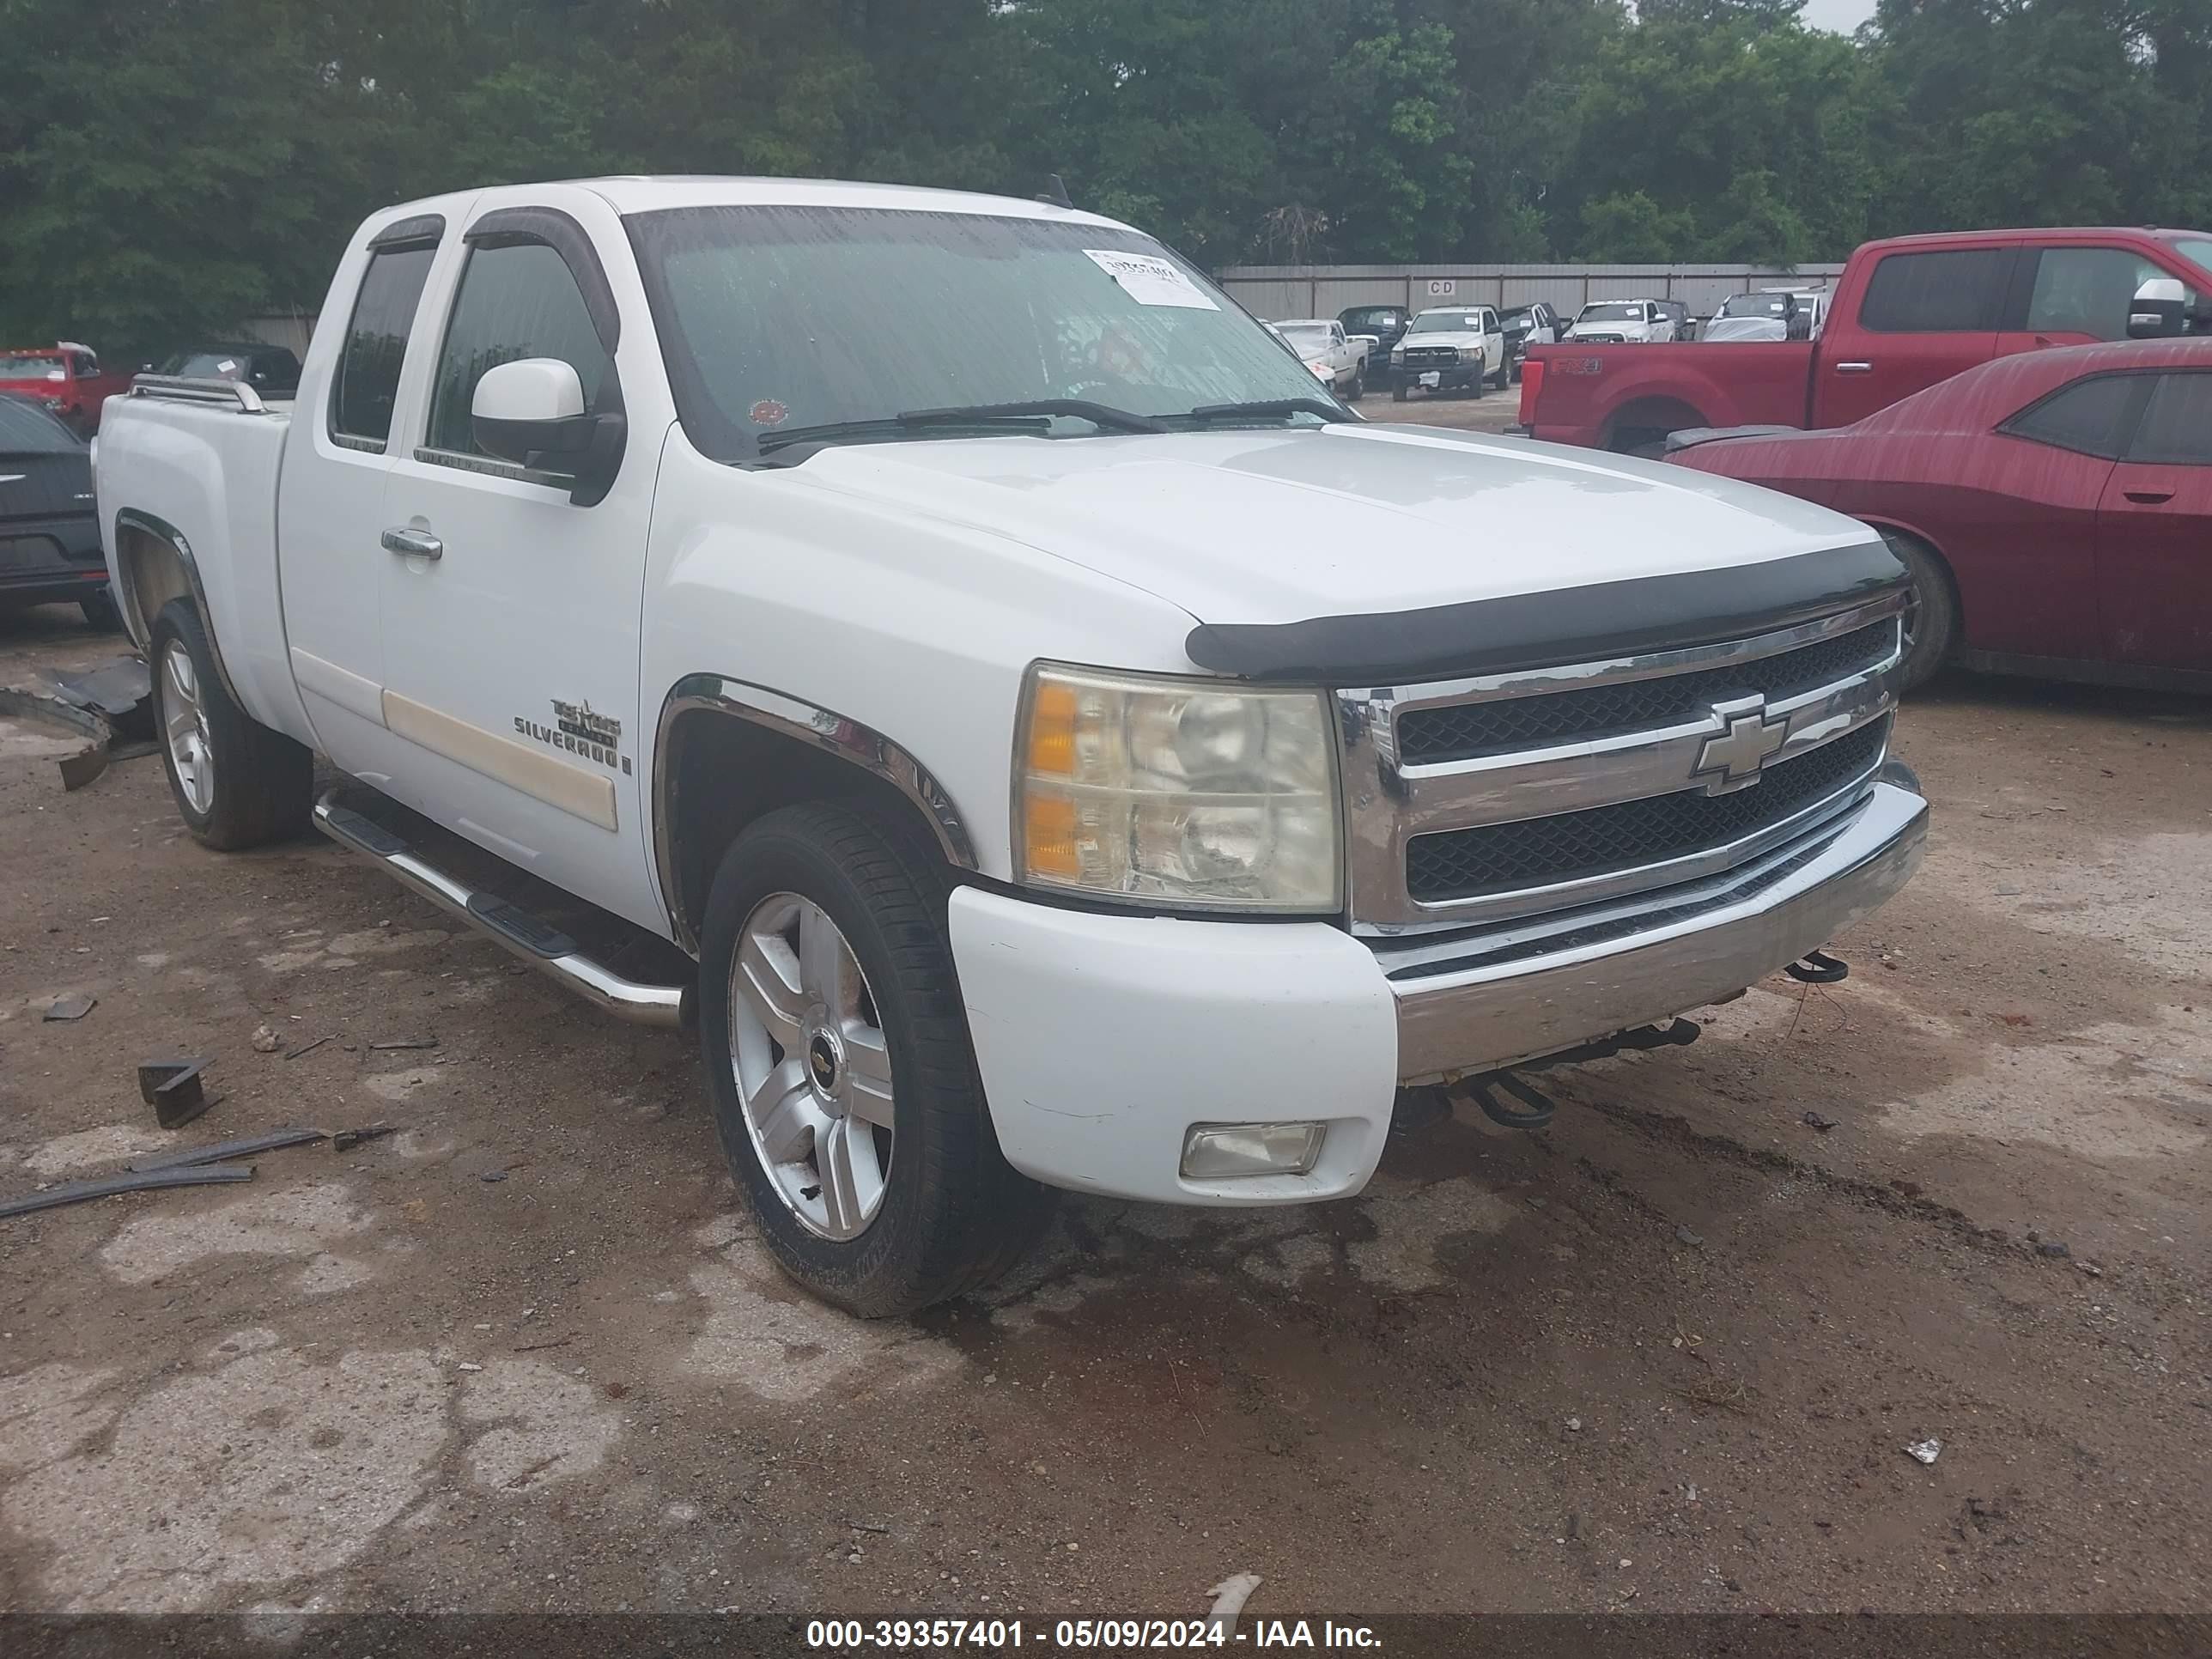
(75, 1006)
(273, 1140)
(173, 1089)
(80, 1192)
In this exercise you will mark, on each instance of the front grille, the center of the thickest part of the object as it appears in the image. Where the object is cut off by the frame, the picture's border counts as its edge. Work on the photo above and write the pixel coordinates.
(1502, 858)
(1431, 356)
(1465, 731)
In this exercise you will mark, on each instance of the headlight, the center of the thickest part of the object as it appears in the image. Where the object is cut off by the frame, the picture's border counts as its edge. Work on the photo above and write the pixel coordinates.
(1172, 792)
(1397, 354)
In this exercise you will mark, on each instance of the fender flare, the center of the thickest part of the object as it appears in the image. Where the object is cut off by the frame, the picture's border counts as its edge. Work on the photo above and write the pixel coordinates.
(139, 627)
(848, 740)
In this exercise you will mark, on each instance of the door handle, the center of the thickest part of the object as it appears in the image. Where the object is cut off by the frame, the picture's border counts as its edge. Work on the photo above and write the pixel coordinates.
(2149, 498)
(412, 542)
(1854, 368)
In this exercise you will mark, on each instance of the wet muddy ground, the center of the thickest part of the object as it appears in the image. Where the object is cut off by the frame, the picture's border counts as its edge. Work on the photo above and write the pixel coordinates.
(1668, 1354)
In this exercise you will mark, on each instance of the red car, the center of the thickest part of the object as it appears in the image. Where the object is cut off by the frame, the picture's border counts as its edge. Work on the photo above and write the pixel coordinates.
(2054, 508)
(64, 378)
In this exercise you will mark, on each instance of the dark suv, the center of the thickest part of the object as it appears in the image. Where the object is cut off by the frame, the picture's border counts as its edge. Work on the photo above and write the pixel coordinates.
(49, 532)
(1386, 322)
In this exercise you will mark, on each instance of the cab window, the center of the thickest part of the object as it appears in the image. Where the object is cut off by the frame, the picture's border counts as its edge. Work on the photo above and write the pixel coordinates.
(1944, 291)
(368, 380)
(517, 300)
(2087, 290)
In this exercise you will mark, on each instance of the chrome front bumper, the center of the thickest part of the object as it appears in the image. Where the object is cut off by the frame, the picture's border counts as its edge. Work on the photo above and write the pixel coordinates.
(1502, 1004)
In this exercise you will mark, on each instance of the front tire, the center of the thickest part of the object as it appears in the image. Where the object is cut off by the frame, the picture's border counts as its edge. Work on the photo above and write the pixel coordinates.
(1931, 613)
(845, 1090)
(237, 784)
(1358, 388)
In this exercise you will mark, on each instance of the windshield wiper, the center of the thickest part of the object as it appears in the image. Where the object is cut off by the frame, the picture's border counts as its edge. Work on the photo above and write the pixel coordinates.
(1103, 415)
(1034, 417)
(1267, 408)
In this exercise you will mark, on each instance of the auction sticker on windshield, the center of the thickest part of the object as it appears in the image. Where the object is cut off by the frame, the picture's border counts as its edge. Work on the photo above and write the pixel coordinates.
(1150, 280)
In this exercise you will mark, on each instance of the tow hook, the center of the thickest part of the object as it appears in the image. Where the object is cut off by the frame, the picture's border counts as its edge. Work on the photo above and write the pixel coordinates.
(1818, 968)
(1535, 1107)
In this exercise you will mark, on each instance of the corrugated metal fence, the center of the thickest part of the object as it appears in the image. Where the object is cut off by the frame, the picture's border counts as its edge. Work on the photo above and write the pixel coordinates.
(1278, 291)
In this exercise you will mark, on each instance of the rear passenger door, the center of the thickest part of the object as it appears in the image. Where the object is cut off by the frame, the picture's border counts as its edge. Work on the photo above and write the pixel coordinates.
(331, 491)
(2154, 532)
(1922, 317)
(512, 647)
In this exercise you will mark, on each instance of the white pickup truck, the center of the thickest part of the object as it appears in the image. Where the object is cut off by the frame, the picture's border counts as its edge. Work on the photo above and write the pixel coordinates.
(1100, 763)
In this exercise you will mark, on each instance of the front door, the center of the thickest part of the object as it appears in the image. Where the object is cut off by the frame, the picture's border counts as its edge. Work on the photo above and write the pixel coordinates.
(511, 614)
(2154, 533)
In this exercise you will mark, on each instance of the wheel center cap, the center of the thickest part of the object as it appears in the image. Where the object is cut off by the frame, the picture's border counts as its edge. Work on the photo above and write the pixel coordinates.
(823, 1063)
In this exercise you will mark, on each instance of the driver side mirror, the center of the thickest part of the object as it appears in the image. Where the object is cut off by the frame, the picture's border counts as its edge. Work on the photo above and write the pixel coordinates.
(531, 412)
(2156, 312)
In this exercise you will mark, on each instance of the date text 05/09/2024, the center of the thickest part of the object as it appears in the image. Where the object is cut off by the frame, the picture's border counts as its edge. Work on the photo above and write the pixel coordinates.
(987, 1635)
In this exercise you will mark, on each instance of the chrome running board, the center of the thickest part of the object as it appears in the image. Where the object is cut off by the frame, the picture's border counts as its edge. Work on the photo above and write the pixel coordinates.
(527, 936)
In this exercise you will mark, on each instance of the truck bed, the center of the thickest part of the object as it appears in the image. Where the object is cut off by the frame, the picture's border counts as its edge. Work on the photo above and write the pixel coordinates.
(202, 459)
(1624, 397)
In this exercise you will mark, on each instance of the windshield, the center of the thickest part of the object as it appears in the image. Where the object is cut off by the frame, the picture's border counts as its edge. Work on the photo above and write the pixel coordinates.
(1306, 339)
(28, 366)
(1447, 322)
(1626, 312)
(1756, 305)
(1362, 322)
(785, 316)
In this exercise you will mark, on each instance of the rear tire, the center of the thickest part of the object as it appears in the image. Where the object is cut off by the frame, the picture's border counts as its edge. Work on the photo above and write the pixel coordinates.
(877, 1218)
(237, 784)
(1358, 388)
(1398, 394)
(1931, 615)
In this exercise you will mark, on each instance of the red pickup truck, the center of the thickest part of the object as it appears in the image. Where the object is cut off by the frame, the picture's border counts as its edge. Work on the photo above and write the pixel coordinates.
(65, 380)
(1907, 312)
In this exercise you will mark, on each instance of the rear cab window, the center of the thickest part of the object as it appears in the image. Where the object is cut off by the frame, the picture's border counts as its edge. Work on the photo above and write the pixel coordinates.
(366, 385)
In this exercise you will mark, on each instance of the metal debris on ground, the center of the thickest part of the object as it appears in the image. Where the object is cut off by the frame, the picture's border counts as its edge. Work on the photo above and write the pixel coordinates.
(80, 1192)
(89, 762)
(1819, 1120)
(309, 1047)
(1924, 1451)
(2051, 1247)
(273, 1140)
(174, 1089)
(120, 689)
(346, 1140)
(405, 1043)
(75, 1006)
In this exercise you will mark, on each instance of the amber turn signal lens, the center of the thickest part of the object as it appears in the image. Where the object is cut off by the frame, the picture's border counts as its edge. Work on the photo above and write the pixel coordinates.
(1052, 732)
(1049, 836)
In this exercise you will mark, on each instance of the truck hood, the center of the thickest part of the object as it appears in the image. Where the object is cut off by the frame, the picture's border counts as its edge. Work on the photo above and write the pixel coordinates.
(1463, 338)
(1285, 525)
(1610, 330)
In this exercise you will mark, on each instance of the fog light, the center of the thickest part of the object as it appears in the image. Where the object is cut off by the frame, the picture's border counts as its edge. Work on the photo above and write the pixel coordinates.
(1215, 1151)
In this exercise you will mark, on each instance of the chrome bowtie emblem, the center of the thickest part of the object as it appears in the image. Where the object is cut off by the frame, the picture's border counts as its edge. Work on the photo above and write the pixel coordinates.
(1747, 740)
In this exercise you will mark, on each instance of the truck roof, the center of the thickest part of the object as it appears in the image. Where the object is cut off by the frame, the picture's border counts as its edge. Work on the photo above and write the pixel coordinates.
(648, 194)
(2040, 234)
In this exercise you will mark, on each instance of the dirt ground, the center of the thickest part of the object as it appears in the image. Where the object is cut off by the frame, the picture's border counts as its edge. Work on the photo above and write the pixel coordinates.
(1666, 1355)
